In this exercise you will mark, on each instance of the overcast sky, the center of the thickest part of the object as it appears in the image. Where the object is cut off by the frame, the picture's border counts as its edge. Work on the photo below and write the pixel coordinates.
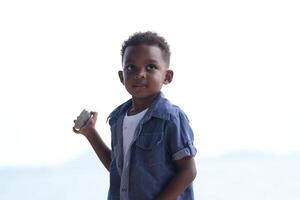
(236, 65)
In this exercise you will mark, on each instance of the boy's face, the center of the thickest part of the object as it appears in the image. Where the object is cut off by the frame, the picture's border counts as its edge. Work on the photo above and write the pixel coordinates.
(144, 70)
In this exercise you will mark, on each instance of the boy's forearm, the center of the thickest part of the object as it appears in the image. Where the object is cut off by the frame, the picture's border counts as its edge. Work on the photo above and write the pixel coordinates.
(102, 151)
(178, 183)
(176, 186)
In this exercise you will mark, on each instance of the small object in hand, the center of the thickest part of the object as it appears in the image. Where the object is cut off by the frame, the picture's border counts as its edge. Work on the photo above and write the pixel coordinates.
(82, 120)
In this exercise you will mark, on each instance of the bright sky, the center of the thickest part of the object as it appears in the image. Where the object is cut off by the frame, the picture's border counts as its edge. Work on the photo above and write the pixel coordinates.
(236, 64)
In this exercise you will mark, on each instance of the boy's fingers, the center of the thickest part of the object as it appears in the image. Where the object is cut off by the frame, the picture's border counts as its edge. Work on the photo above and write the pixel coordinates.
(91, 121)
(94, 115)
(75, 130)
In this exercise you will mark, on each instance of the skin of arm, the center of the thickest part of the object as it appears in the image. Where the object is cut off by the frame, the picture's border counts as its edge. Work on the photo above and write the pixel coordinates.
(89, 131)
(186, 173)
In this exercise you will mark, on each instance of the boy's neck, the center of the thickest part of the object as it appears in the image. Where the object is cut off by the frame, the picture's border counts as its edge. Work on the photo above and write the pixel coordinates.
(140, 104)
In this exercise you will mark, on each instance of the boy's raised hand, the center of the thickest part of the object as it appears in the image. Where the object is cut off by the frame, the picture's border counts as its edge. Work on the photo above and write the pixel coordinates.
(89, 131)
(89, 127)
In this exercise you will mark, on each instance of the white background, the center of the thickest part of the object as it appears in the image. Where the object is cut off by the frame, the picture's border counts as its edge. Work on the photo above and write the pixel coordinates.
(236, 64)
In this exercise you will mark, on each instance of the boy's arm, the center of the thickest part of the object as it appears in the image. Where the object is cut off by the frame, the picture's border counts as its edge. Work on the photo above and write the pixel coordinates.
(89, 131)
(186, 173)
(102, 151)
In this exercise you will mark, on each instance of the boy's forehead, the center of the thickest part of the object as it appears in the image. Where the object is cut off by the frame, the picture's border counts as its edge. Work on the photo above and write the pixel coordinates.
(143, 50)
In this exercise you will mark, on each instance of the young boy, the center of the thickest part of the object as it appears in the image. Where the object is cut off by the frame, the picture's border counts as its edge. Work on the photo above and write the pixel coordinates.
(151, 156)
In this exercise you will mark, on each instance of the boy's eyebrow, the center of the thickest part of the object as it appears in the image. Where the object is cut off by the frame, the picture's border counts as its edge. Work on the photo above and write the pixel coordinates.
(127, 61)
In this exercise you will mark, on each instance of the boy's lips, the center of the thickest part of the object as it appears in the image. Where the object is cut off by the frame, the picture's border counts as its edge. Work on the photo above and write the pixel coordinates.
(139, 85)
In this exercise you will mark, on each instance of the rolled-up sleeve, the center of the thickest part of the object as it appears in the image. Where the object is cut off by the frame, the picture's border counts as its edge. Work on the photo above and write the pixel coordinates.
(180, 137)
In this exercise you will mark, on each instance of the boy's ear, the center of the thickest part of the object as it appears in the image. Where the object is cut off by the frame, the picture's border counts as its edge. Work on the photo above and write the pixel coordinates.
(121, 76)
(168, 77)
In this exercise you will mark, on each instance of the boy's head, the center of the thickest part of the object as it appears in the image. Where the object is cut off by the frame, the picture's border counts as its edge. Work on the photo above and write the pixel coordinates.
(148, 38)
(145, 61)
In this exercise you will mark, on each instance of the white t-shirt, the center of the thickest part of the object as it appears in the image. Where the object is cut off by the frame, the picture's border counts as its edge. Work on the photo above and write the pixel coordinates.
(129, 125)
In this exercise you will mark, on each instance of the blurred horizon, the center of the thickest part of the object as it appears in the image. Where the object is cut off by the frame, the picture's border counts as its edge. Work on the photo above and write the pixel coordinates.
(87, 156)
(248, 175)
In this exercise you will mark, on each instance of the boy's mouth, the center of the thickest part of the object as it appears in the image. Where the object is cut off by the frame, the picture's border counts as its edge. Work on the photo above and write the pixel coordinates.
(139, 85)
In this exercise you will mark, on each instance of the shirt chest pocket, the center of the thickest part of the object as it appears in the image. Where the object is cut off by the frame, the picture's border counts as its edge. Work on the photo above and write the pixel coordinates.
(151, 134)
(149, 150)
(149, 140)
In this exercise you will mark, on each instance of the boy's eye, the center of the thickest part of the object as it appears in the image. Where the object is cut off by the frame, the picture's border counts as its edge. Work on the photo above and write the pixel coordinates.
(151, 67)
(129, 68)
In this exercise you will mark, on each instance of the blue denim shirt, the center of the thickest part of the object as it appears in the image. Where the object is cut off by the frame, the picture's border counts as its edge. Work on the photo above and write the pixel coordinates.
(162, 136)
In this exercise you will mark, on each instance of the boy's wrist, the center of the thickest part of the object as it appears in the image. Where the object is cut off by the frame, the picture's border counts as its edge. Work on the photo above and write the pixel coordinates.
(90, 133)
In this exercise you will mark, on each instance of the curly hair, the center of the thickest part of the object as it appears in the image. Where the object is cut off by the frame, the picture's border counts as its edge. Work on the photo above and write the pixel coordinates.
(149, 38)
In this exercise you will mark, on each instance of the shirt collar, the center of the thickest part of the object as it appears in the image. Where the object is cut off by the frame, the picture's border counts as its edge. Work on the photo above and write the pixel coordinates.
(159, 108)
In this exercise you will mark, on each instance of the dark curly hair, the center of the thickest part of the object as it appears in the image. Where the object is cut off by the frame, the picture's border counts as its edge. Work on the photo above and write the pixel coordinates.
(149, 38)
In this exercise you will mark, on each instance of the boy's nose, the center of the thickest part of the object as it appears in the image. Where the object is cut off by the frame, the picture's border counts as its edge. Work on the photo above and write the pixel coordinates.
(140, 74)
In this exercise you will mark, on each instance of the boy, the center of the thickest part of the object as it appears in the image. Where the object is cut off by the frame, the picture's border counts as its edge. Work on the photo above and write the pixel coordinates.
(151, 156)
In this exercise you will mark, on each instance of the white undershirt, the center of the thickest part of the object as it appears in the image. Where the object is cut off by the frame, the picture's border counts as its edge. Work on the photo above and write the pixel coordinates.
(129, 125)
